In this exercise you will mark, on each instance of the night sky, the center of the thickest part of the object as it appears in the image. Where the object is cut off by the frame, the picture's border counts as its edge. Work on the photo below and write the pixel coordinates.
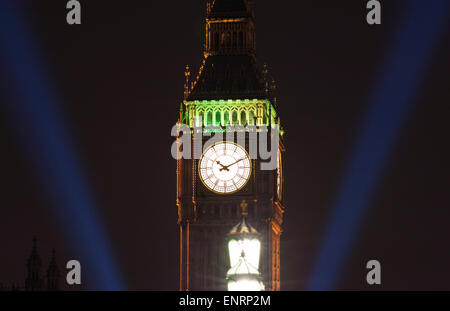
(119, 77)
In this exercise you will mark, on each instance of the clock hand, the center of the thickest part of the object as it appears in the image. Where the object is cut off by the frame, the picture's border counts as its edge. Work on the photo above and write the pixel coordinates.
(226, 167)
(223, 166)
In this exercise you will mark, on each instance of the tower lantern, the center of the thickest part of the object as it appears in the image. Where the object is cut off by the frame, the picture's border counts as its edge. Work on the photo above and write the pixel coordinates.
(244, 249)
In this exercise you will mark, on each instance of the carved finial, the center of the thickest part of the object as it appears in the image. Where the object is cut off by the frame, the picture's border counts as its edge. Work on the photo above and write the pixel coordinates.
(180, 119)
(266, 81)
(244, 206)
(273, 88)
(187, 74)
(273, 85)
(208, 7)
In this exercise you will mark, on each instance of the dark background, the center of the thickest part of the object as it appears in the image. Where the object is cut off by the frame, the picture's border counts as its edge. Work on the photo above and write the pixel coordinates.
(120, 77)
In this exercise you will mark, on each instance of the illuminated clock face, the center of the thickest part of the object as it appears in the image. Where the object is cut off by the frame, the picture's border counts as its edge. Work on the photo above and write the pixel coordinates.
(225, 168)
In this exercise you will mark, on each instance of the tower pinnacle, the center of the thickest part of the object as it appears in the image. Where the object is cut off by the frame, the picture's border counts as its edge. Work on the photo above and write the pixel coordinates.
(33, 281)
(53, 274)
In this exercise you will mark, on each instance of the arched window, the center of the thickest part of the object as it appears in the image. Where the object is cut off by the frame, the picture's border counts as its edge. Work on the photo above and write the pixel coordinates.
(226, 118)
(241, 40)
(228, 39)
(216, 41)
(213, 71)
(251, 119)
(218, 118)
(209, 40)
(209, 118)
(201, 114)
(234, 39)
(198, 119)
(235, 117)
(243, 118)
(222, 40)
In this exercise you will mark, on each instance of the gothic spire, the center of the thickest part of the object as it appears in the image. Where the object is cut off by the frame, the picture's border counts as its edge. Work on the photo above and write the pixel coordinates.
(33, 281)
(230, 69)
(53, 274)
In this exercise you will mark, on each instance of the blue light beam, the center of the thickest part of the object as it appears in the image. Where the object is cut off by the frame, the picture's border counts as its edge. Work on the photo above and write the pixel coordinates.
(34, 115)
(406, 65)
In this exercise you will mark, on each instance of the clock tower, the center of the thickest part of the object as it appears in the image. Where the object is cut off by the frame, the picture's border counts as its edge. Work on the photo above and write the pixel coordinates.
(230, 95)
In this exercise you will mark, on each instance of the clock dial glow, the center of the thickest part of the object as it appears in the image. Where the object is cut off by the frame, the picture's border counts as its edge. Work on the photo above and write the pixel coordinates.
(225, 168)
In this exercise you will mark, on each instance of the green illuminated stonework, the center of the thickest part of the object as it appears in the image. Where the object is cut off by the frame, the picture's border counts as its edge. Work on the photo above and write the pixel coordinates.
(230, 112)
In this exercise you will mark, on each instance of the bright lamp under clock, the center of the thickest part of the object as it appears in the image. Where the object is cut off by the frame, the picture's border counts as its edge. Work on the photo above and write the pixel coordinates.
(244, 249)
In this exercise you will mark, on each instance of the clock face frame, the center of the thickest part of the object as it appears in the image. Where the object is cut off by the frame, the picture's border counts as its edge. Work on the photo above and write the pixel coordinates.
(225, 168)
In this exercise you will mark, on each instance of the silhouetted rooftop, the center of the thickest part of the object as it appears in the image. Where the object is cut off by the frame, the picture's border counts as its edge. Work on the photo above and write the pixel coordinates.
(229, 77)
(229, 8)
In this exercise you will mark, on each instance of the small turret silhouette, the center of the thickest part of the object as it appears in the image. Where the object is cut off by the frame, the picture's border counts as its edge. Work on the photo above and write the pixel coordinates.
(34, 281)
(53, 274)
